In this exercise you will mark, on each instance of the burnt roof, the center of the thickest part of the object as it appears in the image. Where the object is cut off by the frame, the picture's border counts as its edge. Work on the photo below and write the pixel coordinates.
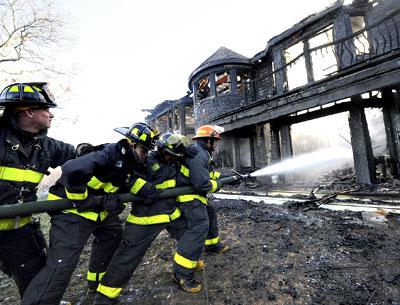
(220, 57)
(167, 105)
(304, 23)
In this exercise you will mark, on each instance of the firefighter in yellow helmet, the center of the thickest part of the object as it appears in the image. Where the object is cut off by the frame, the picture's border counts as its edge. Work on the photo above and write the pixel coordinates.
(196, 171)
(26, 153)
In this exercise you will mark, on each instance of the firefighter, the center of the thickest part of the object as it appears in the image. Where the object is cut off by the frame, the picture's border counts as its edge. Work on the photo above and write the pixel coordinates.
(145, 222)
(117, 167)
(196, 172)
(26, 153)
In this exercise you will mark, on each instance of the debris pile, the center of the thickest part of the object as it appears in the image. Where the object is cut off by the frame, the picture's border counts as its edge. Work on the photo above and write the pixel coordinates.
(279, 255)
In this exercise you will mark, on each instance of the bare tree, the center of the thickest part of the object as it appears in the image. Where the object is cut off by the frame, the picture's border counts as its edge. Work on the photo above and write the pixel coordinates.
(30, 32)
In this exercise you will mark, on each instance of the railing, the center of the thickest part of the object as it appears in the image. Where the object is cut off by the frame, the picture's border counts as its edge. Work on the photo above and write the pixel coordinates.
(372, 41)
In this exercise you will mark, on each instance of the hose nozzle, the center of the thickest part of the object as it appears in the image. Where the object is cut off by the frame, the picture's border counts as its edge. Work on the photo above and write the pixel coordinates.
(241, 176)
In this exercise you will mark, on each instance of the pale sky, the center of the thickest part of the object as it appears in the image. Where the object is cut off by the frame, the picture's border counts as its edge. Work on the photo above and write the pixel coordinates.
(131, 55)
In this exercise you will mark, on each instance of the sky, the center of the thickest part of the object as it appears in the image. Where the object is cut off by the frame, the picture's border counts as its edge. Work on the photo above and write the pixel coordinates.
(131, 55)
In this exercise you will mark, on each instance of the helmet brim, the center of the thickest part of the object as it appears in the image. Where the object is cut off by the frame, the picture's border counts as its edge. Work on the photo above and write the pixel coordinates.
(122, 130)
(206, 137)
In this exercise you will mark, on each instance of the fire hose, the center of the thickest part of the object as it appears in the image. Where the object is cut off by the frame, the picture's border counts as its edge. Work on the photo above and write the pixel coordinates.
(41, 206)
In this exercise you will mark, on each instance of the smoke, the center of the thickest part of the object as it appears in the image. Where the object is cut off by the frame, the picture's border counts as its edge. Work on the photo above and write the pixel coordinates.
(334, 157)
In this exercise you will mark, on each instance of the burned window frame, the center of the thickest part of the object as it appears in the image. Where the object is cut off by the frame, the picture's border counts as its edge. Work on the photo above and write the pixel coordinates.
(243, 83)
(223, 86)
(203, 88)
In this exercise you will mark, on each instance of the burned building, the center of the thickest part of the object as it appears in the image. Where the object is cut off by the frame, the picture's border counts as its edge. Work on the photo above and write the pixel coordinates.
(345, 58)
(173, 116)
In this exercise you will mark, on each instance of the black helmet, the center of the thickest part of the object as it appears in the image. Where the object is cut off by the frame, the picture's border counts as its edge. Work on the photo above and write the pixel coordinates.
(171, 143)
(140, 133)
(27, 94)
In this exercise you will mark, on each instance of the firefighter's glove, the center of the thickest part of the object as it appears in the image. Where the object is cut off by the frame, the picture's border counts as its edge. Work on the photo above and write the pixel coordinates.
(219, 185)
(112, 204)
(149, 193)
(86, 204)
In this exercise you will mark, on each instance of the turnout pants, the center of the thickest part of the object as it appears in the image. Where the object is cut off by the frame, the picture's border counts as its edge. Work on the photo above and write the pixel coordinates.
(213, 232)
(68, 236)
(136, 239)
(22, 254)
(191, 243)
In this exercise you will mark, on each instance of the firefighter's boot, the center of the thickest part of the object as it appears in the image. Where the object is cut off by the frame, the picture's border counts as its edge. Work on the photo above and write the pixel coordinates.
(201, 265)
(101, 299)
(187, 285)
(218, 248)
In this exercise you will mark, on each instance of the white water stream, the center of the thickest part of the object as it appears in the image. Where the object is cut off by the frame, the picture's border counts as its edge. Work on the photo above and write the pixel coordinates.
(308, 161)
(311, 160)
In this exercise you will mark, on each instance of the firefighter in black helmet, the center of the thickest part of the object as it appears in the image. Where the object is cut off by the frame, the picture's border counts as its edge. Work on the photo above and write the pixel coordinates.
(145, 222)
(26, 153)
(114, 168)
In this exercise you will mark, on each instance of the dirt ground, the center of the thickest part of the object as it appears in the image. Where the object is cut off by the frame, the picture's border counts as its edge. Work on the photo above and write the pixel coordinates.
(279, 255)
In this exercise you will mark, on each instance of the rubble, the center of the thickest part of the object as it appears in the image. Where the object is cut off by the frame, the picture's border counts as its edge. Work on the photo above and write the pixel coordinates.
(279, 255)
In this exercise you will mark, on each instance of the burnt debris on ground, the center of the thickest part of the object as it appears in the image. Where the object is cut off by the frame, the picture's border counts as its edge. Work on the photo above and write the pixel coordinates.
(279, 255)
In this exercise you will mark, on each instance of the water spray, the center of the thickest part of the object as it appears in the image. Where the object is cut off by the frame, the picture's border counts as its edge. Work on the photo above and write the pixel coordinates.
(314, 159)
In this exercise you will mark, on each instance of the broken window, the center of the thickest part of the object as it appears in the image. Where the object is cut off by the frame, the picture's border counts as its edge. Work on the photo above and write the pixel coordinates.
(203, 88)
(323, 59)
(162, 123)
(189, 120)
(361, 40)
(223, 83)
(176, 122)
(243, 82)
(296, 70)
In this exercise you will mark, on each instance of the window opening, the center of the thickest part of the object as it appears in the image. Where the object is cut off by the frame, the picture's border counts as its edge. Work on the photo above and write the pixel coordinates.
(223, 83)
(361, 42)
(296, 70)
(323, 59)
(203, 88)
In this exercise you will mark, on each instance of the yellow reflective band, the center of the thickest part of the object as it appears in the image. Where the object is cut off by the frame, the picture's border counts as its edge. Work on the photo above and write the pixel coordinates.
(14, 89)
(76, 196)
(184, 171)
(135, 131)
(143, 137)
(96, 184)
(95, 277)
(20, 175)
(151, 220)
(88, 214)
(151, 134)
(191, 197)
(51, 196)
(155, 167)
(175, 215)
(14, 223)
(148, 220)
(37, 88)
(214, 186)
(184, 262)
(212, 241)
(215, 175)
(137, 185)
(166, 184)
(109, 292)
(28, 89)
